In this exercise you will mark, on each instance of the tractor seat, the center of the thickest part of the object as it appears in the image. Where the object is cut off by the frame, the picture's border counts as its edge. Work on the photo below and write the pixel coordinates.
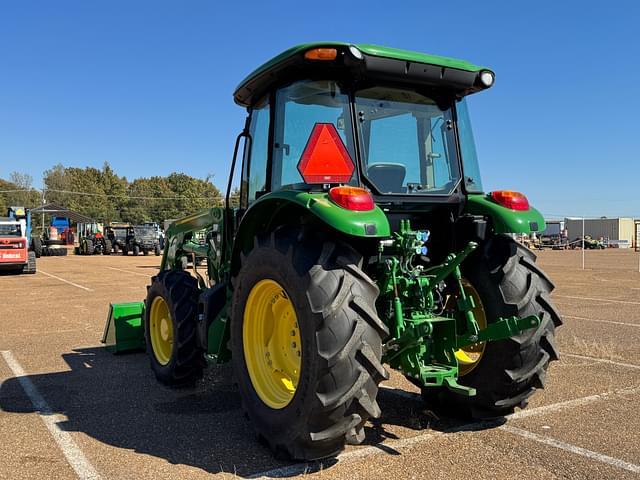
(387, 177)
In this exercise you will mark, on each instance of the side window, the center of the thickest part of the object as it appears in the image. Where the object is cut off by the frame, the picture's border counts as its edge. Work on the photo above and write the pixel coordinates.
(298, 108)
(256, 164)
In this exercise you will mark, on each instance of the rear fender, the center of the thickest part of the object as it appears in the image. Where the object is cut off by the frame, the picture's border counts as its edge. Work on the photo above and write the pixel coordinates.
(505, 220)
(281, 207)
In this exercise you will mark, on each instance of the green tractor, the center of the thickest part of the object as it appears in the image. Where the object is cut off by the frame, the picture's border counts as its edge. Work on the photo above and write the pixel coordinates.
(363, 241)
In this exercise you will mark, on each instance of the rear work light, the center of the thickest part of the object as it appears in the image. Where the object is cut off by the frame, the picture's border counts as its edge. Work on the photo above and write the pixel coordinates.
(510, 199)
(321, 54)
(352, 198)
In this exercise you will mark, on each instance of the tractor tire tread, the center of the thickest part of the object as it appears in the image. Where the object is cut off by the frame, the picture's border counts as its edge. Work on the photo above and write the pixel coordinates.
(350, 367)
(518, 364)
(187, 362)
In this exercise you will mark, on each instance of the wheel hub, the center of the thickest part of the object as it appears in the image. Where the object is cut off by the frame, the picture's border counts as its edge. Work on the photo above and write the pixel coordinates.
(271, 343)
(161, 330)
(469, 356)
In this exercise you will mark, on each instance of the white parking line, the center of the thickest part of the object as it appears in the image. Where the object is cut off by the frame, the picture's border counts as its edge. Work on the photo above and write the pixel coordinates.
(615, 462)
(65, 281)
(71, 451)
(602, 360)
(602, 321)
(603, 300)
(129, 271)
(301, 468)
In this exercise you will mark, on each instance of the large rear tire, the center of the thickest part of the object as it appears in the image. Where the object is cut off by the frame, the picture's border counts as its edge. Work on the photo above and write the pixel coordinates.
(170, 328)
(324, 304)
(508, 282)
(88, 247)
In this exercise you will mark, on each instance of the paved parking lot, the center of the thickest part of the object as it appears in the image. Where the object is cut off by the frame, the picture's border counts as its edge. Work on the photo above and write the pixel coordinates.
(69, 409)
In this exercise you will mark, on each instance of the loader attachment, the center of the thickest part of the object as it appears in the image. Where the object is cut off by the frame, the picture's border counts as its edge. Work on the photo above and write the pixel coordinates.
(124, 330)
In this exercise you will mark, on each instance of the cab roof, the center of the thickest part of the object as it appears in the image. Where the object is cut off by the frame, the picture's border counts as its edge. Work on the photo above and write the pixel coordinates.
(361, 62)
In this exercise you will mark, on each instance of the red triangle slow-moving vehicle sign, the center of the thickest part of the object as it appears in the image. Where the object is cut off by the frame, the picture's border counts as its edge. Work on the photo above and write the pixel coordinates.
(325, 158)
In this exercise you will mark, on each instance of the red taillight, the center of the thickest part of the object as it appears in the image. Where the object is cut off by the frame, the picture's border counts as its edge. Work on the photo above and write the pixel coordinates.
(352, 198)
(325, 158)
(510, 199)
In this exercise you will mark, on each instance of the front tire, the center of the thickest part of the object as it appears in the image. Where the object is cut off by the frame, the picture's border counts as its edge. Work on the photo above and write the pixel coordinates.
(509, 282)
(170, 328)
(331, 300)
(136, 250)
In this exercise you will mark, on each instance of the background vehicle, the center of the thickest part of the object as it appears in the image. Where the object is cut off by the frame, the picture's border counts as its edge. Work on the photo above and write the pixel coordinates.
(91, 240)
(14, 246)
(588, 243)
(57, 237)
(141, 238)
(21, 213)
(116, 232)
(363, 238)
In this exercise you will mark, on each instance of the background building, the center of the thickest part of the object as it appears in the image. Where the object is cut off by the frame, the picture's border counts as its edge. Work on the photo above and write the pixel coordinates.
(621, 230)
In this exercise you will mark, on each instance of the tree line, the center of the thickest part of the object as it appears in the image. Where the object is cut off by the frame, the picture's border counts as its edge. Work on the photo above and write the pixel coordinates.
(105, 196)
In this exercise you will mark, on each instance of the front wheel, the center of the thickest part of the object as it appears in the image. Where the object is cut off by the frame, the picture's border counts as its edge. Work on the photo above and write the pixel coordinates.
(505, 281)
(136, 250)
(307, 344)
(170, 328)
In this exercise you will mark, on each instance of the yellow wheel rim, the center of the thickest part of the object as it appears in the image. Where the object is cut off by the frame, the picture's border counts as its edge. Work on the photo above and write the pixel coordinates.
(469, 357)
(271, 343)
(161, 330)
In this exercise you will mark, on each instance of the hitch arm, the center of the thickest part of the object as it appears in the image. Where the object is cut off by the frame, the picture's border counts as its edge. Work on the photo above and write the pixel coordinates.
(503, 328)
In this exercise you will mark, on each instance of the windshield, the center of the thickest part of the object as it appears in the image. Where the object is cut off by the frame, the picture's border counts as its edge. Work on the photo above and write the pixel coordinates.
(10, 230)
(407, 142)
(144, 231)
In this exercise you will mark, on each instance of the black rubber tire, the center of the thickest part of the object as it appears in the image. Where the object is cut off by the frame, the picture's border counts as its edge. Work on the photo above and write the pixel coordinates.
(30, 266)
(157, 250)
(509, 282)
(116, 248)
(36, 246)
(61, 252)
(107, 247)
(125, 251)
(136, 250)
(341, 337)
(180, 291)
(89, 248)
(145, 252)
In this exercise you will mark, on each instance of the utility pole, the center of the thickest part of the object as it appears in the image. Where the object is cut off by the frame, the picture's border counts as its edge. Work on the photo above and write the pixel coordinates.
(43, 211)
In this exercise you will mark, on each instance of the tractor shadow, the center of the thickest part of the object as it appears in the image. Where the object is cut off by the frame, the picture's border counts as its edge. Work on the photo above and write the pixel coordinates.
(116, 400)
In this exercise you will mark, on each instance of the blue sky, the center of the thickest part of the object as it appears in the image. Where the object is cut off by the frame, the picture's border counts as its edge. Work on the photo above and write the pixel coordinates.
(147, 85)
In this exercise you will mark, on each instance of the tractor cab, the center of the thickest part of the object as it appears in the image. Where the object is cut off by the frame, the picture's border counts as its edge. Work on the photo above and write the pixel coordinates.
(326, 115)
(390, 124)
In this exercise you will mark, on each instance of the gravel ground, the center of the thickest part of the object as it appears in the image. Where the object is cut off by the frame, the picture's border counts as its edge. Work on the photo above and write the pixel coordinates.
(69, 409)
